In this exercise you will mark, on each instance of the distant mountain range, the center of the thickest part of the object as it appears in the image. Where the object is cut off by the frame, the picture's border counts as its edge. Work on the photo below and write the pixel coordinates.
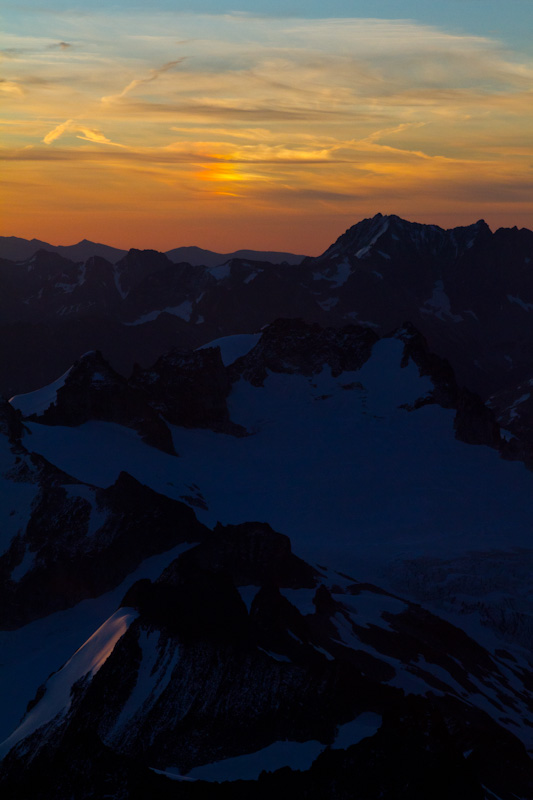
(468, 290)
(16, 249)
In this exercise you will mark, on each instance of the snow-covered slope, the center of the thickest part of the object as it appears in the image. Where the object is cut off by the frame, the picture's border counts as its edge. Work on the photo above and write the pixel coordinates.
(348, 452)
(360, 469)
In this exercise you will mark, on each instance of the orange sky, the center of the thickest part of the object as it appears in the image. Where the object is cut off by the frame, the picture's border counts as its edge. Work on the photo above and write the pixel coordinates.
(234, 131)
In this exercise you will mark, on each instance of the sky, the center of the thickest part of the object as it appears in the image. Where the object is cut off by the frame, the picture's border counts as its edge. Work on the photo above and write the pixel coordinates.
(230, 126)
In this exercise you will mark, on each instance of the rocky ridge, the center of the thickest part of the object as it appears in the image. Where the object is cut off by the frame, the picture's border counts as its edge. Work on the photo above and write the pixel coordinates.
(202, 655)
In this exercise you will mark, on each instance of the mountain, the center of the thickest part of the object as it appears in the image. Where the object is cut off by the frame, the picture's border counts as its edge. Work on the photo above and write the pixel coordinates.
(13, 248)
(197, 256)
(327, 590)
(16, 249)
(468, 290)
(265, 529)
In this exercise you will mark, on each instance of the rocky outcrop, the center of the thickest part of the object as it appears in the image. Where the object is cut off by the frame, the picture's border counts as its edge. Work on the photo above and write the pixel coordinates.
(294, 346)
(10, 422)
(475, 422)
(251, 553)
(189, 389)
(81, 542)
(93, 390)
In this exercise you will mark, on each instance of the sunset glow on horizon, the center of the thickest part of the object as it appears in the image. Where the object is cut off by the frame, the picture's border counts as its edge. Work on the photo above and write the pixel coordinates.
(153, 128)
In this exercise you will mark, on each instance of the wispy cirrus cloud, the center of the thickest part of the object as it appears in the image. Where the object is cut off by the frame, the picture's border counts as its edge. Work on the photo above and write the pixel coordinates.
(152, 76)
(11, 88)
(82, 132)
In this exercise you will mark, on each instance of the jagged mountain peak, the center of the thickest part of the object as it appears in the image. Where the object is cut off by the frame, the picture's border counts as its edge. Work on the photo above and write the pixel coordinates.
(390, 234)
(92, 390)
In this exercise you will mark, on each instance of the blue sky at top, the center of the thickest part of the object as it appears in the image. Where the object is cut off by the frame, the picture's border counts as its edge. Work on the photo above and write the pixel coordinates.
(511, 21)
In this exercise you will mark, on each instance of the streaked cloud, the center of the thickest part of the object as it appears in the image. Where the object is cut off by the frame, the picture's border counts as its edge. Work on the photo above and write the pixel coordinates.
(154, 74)
(81, 131)
(11, 88)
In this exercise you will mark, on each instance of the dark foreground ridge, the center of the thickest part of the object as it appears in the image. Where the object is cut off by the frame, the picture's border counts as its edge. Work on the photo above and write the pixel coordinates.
(227, 678)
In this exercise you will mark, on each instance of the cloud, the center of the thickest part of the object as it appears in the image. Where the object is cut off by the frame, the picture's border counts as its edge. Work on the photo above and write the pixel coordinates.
(154, 74)
(11, 88)
(58, 131)
(72, 126)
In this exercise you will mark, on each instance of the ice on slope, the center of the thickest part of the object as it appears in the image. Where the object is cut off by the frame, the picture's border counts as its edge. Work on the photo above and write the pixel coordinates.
(233, 347)
(86, 661)
(38, 401)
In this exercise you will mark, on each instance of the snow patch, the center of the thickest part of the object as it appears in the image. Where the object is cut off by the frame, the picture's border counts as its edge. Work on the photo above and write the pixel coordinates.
(506, 435)
(369, 608)
(439, 304)
(339, 277)
(328, 304)
(220, 272)
(184, 311)
(513, 413)
(97, 517)
(233, 347)
(296, 755)
(362, 727)
(153, 676)
(38, 401)
(302, 599)
(248, 594)
(275, 656)
(116, 278)
(25, 566)
(525, 306)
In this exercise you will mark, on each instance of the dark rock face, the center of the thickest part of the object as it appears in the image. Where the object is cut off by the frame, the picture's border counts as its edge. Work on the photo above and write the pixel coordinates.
(475, 422)
(10, 422)
(85, 541)
(251, 553)
(93, 390)
(188, 389)
(514, 410)
(137, 265)
(293, 346)
(198, 678)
